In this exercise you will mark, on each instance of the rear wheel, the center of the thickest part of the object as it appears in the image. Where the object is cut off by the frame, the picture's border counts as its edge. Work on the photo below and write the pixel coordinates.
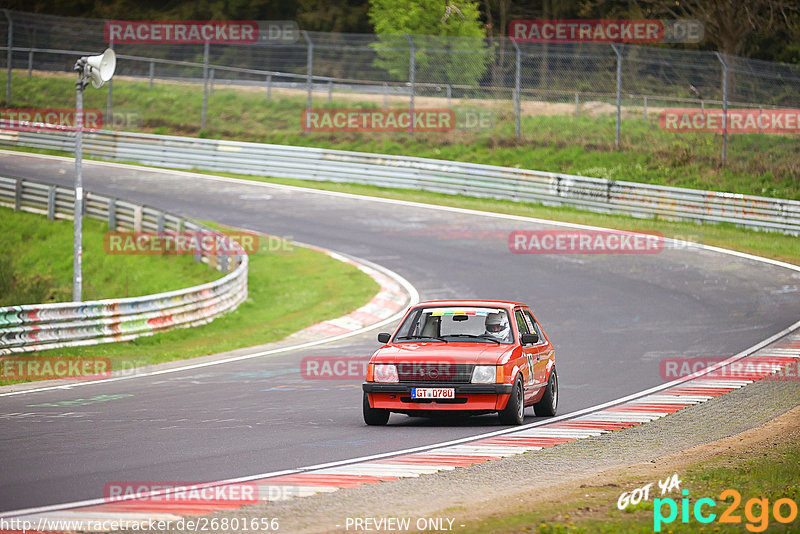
(374, 416)
(547, 406)
(513, 414)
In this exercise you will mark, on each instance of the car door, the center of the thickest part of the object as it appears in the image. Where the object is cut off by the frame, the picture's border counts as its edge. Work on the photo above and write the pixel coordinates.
(542, 351)
(532, 386)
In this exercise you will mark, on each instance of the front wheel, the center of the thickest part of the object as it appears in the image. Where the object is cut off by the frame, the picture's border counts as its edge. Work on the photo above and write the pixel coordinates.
(513, 414)
(547, 406)
(374, 416)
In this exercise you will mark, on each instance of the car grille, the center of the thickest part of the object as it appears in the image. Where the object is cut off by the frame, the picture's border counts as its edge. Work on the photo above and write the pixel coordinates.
(435, 372)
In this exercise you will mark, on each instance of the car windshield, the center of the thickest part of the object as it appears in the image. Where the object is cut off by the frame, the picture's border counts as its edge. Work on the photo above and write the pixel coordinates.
(461, 324)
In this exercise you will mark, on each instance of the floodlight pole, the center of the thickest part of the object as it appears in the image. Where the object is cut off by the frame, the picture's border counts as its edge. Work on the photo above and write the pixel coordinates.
(77, 256)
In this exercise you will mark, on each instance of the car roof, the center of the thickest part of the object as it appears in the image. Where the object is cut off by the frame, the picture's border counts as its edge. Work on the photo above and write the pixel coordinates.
(493, 303)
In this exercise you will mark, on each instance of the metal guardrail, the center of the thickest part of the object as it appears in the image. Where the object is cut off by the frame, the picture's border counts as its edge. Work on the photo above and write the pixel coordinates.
(45, 326)
(506, 183)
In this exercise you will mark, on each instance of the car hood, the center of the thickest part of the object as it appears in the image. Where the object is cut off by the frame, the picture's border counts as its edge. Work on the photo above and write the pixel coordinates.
(438, 352)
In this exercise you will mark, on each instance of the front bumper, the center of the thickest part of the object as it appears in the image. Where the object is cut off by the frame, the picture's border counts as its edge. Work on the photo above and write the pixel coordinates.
(478, 397)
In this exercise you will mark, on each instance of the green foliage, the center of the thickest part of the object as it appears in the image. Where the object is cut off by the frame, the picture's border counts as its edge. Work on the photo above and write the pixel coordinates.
(430, 22)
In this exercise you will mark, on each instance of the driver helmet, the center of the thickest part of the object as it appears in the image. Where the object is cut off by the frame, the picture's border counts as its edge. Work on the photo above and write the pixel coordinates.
(497, 325)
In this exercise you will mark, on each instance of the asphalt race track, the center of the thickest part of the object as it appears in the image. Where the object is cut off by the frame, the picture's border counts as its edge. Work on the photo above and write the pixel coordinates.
(612, 319)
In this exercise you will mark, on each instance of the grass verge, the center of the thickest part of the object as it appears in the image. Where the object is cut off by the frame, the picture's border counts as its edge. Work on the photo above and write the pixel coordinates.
(287, 291)
(768, 474)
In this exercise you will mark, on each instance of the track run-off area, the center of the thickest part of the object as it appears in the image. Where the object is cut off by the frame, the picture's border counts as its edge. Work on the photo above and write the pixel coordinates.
(613, 318)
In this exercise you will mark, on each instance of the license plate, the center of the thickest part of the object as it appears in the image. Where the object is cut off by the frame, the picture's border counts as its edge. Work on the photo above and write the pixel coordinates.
(433, 393)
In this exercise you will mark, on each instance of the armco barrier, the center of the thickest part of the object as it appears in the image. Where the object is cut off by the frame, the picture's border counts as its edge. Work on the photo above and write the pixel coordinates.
(554, 189)
(45, 326)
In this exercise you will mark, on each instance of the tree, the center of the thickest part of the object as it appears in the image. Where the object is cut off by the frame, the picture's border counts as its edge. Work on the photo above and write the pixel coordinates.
(448, 36)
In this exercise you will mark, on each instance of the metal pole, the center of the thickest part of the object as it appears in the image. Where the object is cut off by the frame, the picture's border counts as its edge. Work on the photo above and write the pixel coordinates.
(330, 91)
(205, 86)
(30, 63)
(269, 86)
(9, 57)
(211, 82)
(577, 104)
(645, 108)
(412, 67)
(109, 109)
(77, 256)
(724, 106)
(309, 68)
(152, 73)
(385, 95)
(619, 91)
(517, 88)
(449, 94)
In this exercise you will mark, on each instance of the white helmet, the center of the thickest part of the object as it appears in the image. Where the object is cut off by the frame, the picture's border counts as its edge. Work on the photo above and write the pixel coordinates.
(497, 325)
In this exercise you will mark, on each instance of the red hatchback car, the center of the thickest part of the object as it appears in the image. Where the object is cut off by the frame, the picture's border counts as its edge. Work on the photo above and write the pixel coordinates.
(471, 356)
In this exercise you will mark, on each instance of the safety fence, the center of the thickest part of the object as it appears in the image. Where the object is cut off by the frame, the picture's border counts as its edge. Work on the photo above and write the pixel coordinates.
(435, 70)
(45, 326)
(450, 177)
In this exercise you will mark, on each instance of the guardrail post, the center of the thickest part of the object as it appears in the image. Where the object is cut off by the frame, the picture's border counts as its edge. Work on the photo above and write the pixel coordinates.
(137, 218)
(205, 85)
(619, 92)
(152, 73)
(112, 214)
(724, 106)
(51, 202)
(577, 104)
(412, 67)
(30, 63)
(9, 55)
(160, 222)
(17, 195)
(309, 69)
(517, 88)
(269, 86)
(211, 82)
(223, 263)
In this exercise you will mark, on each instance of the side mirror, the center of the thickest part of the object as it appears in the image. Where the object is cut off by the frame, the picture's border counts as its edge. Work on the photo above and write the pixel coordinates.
(383, 337)
(530, 338)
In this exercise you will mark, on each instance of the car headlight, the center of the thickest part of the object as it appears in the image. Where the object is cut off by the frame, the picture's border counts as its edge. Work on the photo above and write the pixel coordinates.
(484, 374)
(383, 372)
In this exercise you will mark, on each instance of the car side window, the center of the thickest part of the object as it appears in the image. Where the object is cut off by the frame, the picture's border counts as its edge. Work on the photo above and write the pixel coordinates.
(533, 324)
(521, 324)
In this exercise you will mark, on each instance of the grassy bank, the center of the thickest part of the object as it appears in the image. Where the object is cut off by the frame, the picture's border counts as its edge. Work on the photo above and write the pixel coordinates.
(287, 291)
(767, 165)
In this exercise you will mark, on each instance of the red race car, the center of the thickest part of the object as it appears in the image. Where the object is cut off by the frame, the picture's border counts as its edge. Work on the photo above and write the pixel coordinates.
(471, 356)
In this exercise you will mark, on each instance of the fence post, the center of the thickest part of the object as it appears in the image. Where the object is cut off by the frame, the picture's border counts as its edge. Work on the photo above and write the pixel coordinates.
(619, 91)
(9, 55)
(309, 69)
(385, 95)
(645, 108)
(269, 86)
(112, 214)
(330, 91)
(517, 88)
(724, 106)
(51, 202)
(449, 94)
(412, 67)
(17, 194)
(30, 63)
(152, 73)
(577, 104)
(205, 85)
(211, 82)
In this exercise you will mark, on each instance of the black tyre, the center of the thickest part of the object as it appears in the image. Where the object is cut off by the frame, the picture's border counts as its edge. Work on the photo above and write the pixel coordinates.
(549, 403)
(374, 416)
(513, 414)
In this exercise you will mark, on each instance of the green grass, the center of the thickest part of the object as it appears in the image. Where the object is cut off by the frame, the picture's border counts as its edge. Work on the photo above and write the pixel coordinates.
(767, 165)
(287, 291)
(36, 264)
(772, 474)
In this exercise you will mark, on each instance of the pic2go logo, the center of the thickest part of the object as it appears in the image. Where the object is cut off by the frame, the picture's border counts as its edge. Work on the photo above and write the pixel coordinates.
(756, 511)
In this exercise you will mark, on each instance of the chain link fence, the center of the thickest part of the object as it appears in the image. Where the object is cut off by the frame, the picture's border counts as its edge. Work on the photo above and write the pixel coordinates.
(422, 71)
